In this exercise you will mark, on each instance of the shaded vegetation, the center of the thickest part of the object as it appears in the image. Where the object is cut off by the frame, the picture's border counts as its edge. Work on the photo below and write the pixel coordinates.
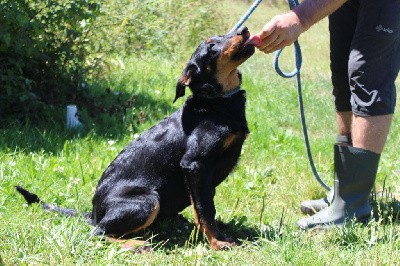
(51, 52)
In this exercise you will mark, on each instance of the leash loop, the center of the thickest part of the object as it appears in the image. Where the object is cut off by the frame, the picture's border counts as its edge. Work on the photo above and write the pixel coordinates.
(298, 62)
(297, 53)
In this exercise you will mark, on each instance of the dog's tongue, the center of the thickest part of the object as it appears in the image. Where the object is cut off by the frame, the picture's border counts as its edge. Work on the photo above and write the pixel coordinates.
(253, 40)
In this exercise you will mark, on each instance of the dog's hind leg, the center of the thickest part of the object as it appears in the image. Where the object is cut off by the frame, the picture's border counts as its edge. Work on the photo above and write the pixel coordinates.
(127, 212)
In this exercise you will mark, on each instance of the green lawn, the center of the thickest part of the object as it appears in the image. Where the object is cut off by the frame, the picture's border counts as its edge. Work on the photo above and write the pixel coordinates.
(258, 202)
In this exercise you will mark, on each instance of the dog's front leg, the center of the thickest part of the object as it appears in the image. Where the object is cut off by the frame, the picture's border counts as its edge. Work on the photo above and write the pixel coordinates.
(199, 183)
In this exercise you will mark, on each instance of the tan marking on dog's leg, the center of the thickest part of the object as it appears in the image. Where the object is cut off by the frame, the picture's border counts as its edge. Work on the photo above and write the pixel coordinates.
(229, 140)
(213, 235)
(195, 214)
(149, 220)
(211, 231)
(140, 246)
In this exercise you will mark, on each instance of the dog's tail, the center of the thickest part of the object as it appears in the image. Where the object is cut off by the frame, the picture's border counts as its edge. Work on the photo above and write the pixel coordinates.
(33, 198)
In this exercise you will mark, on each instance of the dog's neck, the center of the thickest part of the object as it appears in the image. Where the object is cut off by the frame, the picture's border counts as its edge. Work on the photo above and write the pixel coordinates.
(229, 81)
(224, 86)
(231, 92)
(227, 94)
(231, 107)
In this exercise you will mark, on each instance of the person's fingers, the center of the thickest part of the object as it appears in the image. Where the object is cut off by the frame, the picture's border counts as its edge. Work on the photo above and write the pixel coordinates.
(279, 46)
(275, 46)
(279, 41)
(266, 42)
(280, 31)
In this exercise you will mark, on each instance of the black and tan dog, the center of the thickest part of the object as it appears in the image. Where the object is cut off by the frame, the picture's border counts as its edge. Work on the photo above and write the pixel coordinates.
(181, 160)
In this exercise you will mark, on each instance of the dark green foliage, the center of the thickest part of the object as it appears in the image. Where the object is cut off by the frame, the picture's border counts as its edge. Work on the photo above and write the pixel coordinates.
(43, 47)
(51, 50)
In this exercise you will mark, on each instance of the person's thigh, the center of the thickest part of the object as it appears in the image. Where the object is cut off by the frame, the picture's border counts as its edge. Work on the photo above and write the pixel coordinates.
(374, 59)
(342, 26)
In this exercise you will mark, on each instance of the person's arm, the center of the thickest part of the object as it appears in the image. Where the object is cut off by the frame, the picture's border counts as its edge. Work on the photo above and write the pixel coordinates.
(283, 30)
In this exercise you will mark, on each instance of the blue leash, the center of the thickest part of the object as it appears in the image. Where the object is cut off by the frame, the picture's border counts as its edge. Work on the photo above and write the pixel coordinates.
(246, 16)
(295, 72)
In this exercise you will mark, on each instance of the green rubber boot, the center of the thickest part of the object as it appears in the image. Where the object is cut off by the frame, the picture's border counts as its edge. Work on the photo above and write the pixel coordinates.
(311, 207)
(355, 174)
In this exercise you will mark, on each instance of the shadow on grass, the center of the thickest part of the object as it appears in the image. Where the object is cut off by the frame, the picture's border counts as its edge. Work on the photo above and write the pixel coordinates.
(170, 233)
(386, 212)
(386, 207)
(104, 116)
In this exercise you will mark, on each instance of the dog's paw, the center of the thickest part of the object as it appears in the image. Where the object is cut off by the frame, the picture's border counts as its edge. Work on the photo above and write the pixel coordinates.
(225, 244)
(133, 245)
(137, 246)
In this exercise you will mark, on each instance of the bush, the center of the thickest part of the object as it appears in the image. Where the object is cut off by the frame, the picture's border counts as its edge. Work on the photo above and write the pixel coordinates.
(42, 52)
(50, 49)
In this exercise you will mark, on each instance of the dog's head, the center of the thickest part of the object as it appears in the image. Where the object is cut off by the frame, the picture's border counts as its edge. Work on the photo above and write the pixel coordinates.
(212, 69)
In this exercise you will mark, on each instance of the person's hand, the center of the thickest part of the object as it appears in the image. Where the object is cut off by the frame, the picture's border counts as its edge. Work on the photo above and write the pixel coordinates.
(280, 31)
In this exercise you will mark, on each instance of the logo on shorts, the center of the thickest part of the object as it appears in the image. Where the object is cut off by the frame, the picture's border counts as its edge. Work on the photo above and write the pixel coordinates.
(380, 28)
(369, 98)
(359, 95)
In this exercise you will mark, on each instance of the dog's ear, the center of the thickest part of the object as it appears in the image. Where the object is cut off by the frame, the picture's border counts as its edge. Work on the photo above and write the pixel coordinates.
(185, 80)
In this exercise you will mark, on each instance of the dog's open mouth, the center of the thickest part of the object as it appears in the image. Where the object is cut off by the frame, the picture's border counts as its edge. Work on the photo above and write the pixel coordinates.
(245, 34)
(243, 50)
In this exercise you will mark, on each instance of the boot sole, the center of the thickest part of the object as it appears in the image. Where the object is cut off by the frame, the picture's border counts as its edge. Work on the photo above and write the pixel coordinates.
(325, 226)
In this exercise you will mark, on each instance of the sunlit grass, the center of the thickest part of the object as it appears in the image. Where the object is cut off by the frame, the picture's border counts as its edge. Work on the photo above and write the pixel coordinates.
(259, 201)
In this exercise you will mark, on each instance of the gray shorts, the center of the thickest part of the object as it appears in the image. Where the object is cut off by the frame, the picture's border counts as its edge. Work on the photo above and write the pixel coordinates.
(365, 56)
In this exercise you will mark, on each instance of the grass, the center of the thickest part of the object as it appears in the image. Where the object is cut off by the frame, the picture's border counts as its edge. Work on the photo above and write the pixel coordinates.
(258, 202)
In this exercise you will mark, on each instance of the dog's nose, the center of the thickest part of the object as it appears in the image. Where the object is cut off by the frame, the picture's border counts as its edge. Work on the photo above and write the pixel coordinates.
(243, 30)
